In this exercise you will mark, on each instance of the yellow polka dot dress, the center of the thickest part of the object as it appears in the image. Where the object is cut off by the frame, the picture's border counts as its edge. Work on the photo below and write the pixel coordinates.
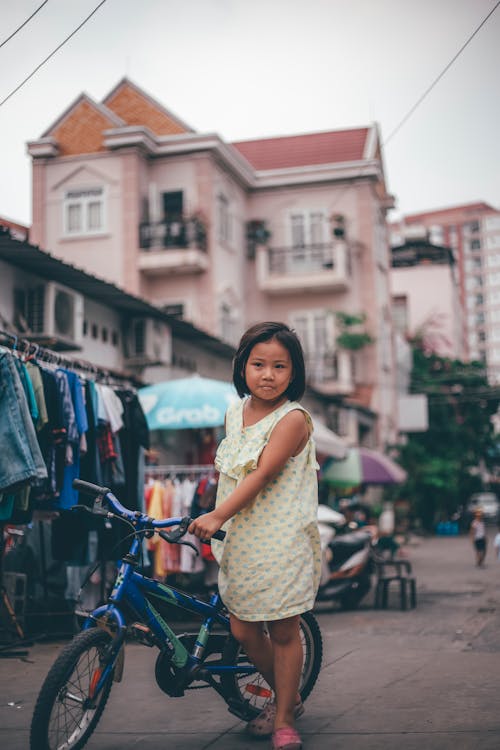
(270, 559)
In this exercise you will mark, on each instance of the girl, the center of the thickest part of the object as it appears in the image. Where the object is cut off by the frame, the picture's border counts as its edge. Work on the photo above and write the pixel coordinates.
(267, 504)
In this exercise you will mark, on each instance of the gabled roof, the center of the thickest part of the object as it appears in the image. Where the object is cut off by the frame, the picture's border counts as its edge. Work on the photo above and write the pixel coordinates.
(112, 118)
(135, 107)
(283, 152)
(79, 130)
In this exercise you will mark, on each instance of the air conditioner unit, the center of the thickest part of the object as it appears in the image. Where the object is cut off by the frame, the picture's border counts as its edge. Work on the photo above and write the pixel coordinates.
(50, 314)
(149, 341)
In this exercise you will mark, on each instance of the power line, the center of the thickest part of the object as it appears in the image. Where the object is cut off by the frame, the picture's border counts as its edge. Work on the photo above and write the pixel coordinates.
(438, 78)
(420, 99)
(53, 53)
(24, 24)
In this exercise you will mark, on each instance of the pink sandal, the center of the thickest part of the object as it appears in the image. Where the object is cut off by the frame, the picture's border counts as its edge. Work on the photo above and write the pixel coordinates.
(263, 724)
(286, 738)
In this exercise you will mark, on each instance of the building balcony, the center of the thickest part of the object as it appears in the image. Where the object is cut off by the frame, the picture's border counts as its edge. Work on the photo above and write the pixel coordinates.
(330, 374)
(322, 267)
(173, 247)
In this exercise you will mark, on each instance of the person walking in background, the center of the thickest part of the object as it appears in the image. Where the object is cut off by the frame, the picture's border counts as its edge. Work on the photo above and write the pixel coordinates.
(267, 502)
(496, 541)
(478, 536)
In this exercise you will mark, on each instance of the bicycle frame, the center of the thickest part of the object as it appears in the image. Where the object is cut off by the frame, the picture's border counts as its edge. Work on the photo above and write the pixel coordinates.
(132, 589)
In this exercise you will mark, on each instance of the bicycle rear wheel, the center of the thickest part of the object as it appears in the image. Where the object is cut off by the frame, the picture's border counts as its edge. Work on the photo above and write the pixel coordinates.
(252, 688)
(64, 717)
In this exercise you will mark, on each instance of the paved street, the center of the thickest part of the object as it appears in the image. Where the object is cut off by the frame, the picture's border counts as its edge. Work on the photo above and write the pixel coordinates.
(427, 678)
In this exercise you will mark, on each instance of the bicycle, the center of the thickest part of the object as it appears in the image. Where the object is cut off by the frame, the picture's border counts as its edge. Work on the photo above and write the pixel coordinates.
(77, 687)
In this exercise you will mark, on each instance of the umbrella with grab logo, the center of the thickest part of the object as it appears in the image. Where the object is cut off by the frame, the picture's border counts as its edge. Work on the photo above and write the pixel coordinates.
(193, 402)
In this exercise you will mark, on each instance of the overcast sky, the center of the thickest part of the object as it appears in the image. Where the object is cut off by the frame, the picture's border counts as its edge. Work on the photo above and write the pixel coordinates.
(255, 68)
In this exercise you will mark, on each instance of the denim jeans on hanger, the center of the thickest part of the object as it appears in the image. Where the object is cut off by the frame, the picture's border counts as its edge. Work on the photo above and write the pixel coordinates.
(20, 456)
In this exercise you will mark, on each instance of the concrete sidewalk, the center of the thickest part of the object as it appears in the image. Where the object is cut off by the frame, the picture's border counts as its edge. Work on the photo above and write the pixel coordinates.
(425, 678)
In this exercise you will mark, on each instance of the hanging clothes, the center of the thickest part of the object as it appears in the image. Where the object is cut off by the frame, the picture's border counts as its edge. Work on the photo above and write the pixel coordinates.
(21, 460)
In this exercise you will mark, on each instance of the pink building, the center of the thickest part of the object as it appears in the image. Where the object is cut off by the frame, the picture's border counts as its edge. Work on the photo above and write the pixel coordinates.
(425, 296)
(223, 235)
(472, 231)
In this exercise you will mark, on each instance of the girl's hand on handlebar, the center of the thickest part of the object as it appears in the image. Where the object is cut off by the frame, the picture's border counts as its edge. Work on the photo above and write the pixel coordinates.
(205, 526)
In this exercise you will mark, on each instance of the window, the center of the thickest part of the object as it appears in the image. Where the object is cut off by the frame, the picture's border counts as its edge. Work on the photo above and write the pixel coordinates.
(400, 314)
(470, 227)
(223, 219)
(84, 211)
(308, 228)
(315, 329)
(227, 323)
(308, 237)
(475, 244)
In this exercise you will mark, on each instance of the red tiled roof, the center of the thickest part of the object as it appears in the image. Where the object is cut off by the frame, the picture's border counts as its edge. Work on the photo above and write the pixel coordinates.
(304, 150)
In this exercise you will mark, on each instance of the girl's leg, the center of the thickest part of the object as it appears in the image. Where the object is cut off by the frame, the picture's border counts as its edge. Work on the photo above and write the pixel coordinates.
(257, 645)
(287, 667)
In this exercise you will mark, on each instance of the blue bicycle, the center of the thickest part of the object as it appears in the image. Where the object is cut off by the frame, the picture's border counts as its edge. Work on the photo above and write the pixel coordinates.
(77, 687)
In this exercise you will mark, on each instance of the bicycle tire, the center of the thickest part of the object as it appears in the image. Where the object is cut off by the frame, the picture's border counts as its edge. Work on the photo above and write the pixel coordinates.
(253, 689)
(75, 666)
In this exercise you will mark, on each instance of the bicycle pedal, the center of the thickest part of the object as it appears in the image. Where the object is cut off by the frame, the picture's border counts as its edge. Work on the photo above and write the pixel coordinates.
(141, 633)
(241, 709)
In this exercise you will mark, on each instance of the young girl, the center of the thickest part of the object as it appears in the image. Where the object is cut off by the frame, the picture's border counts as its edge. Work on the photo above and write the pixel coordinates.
(267, 504)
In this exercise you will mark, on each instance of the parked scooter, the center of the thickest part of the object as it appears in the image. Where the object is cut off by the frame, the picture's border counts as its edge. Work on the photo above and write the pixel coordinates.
(346, 559)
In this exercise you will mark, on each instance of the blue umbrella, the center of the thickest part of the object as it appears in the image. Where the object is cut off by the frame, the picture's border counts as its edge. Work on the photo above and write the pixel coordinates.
(193, 402)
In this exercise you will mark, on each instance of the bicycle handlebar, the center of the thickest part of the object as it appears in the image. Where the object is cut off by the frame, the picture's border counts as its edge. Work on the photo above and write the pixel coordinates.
(93, 490)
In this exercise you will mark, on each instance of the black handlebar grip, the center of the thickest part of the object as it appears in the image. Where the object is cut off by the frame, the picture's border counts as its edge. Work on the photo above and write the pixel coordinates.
(87, 488)
(219, 535)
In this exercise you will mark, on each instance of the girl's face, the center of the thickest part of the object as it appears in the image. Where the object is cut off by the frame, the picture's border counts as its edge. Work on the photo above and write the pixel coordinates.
(268, 370)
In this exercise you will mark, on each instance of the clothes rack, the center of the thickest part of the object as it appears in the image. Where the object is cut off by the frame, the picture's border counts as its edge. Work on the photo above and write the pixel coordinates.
(27, 350)
(31, 350)
(176, 469)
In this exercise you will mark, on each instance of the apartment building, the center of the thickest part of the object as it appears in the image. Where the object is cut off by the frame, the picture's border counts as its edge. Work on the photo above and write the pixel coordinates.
(472, 231)
(224, 234)
(425, 294)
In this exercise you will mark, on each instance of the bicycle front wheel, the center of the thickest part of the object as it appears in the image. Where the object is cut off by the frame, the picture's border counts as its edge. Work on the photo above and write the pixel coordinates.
(252, 688)
(65, 714)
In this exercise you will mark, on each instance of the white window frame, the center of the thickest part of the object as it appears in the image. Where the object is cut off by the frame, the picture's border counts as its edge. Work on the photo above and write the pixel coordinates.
(305, 324)
(306, 236)
(84, 197)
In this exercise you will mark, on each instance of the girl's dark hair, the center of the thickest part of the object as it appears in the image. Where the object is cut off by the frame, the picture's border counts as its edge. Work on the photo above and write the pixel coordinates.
(265, 332)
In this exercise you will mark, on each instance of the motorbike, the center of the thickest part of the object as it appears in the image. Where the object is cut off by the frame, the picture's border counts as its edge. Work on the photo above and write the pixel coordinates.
(346, 559)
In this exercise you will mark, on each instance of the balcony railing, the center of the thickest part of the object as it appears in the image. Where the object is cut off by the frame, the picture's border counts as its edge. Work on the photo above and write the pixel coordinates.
(330, 372)
(303, 259)
(316, 267)
(321, 367)
(182, 233)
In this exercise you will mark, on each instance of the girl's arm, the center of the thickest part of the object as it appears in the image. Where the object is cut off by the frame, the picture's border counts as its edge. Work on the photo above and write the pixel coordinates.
(287, 439)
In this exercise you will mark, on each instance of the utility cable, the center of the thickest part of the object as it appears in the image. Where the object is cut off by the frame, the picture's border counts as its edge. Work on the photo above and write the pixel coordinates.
(23, 24)
(438, 78)
(53, 53)
(421, 98)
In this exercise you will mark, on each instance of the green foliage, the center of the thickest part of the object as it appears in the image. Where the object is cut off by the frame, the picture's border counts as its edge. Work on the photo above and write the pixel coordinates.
(348, 339)
(353, 341)
(442, 462)
(347, 320)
